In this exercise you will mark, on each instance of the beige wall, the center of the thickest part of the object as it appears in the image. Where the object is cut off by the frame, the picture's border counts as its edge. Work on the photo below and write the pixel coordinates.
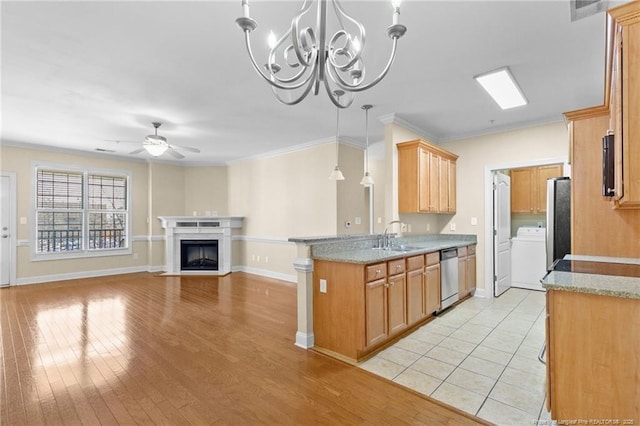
(290, 195)
(352, 197)
(205, 190)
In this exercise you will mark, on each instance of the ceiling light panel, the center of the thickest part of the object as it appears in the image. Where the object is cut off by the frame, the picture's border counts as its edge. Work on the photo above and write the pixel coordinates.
(502, 87)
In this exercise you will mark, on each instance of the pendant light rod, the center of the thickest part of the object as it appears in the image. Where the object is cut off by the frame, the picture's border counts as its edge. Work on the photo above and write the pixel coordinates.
(336, 174)
(367, 180)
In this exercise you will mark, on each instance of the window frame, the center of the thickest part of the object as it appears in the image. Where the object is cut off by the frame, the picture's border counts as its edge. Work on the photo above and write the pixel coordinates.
(86, 210)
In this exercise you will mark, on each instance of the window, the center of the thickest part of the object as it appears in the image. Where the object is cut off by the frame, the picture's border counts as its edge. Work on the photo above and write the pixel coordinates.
(81, 212)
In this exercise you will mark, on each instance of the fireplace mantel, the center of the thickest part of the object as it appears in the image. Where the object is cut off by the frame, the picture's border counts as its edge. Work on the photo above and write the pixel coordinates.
(179, 228)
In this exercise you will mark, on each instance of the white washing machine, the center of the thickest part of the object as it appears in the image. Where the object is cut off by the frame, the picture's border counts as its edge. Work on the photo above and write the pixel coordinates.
(528, 258)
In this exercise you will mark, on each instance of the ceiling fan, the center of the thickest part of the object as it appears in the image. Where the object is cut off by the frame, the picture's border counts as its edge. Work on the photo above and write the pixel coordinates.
(157, 145)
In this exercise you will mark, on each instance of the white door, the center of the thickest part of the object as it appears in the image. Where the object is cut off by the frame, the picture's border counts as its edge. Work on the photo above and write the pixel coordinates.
(5, 238)
(501, 233)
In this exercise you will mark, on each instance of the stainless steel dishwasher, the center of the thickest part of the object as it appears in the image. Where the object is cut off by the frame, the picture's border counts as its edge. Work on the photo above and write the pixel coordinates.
(448, 277)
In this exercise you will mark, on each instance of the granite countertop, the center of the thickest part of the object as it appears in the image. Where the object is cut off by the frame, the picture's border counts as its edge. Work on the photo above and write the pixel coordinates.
(624, 285)
(372, 255)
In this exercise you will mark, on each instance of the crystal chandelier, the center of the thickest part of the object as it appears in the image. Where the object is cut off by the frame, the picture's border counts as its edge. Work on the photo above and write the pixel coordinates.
(310, 57)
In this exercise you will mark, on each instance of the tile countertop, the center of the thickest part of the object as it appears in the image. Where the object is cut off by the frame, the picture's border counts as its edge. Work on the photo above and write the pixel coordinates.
(605, 285)
(359, 250)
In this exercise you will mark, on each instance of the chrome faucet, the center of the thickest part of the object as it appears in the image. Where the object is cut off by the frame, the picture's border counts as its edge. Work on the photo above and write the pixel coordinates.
(386, 239)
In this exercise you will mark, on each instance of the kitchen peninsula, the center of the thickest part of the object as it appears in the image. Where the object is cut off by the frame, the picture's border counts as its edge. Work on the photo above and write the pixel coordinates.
(593, 339)
(356, 294)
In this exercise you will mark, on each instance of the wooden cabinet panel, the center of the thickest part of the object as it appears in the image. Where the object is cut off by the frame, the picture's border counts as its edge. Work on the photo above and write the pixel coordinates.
(434, 183)
(397, 303)
(415, 296)
(592, 356)
(426, 178)
(432, 288)
(625, 95)
(395, 267)
(452, 187)
(376, 312)
(529, 188)
(471, 273)
(521, 190)
(462, 272)
(415, 262)
(432, 258)
(377, 271)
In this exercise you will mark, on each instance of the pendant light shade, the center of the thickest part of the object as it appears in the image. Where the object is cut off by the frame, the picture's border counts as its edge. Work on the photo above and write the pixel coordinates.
(336, 174)
(367, 180)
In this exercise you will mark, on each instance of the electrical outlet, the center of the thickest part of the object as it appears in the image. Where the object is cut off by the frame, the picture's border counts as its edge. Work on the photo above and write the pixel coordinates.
(23, 220)
(379, 220)
(266, 259)
(358, 220)
(452, 226)
(409, 228)
(258, 258)
(323, 286)
(403, 227)
(428, 226)
(474, 221)
(135, 256)
(253, 257)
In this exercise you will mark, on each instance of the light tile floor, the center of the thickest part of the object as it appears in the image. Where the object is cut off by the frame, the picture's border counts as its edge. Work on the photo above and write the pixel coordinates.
(480, 357)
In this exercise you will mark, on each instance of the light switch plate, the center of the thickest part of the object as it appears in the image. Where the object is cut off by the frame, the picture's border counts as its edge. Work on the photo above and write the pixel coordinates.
(474, 221)
(323, 286)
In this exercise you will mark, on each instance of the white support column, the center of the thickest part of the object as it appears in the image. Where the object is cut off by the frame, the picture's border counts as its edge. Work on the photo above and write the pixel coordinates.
(303, 265)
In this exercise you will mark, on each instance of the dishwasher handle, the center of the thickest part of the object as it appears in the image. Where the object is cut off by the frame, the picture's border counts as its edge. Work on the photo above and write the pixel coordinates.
(448, 254)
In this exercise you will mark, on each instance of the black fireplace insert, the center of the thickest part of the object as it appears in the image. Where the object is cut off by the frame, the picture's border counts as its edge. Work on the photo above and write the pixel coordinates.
(199, 255)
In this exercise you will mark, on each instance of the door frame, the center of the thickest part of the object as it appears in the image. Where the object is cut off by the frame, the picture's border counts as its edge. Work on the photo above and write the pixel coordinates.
(12, 226)
(489, 211)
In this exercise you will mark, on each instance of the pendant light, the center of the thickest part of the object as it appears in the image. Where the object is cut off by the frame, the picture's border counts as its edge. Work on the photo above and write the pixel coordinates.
(367, 180)
(336, 174)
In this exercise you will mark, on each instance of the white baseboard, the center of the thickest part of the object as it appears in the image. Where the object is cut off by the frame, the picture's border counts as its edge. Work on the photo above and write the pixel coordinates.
(84, 274)
(265, 273)
(480, 292)
(305, 340)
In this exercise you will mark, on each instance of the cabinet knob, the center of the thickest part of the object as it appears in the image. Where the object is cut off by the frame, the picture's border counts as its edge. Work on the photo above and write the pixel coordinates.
(398, 266)
(377, 271)
(386, 284)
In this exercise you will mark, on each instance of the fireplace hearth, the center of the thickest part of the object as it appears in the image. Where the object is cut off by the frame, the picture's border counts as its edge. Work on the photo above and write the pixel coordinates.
(199, 255)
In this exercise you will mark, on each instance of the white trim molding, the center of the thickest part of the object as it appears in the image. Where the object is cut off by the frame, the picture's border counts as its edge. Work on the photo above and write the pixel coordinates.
(84, 274)
(394, 119)
(269, 240)
(265, 273)
(305, 340)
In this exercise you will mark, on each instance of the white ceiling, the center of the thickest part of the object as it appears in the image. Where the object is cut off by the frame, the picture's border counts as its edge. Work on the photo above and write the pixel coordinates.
(77, 73)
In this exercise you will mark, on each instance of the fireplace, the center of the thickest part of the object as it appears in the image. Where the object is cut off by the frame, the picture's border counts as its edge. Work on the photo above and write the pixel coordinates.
(211, 237)
(199, 255)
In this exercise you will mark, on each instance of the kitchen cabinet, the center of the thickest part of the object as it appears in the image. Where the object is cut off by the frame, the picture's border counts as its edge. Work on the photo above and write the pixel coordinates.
(471, 270)
(623, 71)
(365, 306)
(529, 188)
(415, 289)
(462, 272)
(432, 283)
(426, 178)
(592, 357)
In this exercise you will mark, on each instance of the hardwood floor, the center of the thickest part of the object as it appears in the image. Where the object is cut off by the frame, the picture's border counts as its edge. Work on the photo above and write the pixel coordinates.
(141, 348)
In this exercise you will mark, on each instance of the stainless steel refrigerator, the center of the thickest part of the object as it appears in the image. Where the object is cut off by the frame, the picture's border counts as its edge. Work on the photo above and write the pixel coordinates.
(558, 236)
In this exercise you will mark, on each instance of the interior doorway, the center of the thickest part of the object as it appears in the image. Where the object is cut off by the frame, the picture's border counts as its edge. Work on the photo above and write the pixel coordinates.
(7, 229)
(490, 212)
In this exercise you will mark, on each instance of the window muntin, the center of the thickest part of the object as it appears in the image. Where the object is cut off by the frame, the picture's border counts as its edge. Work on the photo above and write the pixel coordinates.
(80, 212)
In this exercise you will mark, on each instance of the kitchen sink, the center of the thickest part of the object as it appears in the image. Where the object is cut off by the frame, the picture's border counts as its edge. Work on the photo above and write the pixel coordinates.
(399, 249)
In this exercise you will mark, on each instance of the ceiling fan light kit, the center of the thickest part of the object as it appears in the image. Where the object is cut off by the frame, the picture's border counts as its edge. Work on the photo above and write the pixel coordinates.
(154, 144)
(312, 58)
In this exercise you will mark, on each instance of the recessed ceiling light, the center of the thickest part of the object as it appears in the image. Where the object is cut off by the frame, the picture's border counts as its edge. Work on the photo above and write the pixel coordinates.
(502, 87)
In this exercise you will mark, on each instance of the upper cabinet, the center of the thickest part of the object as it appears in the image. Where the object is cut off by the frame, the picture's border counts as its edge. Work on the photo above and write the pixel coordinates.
(624, 101)
(426, 178)
(529, 188)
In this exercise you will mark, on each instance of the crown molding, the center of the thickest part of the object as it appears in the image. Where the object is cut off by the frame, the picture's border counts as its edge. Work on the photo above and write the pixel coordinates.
(393, 118)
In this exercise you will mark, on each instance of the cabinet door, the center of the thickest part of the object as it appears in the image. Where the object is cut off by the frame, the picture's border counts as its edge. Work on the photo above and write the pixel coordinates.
(471, 273)
(397, 303)
(424, 162)
(452, 187)
(432, 288)
(376, 311)
(415, 296)
(521, 190)
(434, 183)
(462, 277)
(443, 177)
(544, 173)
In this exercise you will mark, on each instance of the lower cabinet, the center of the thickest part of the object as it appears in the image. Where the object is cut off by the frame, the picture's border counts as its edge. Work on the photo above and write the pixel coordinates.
(432, 283)
(362, 307)
(466, 271)
(471, 269)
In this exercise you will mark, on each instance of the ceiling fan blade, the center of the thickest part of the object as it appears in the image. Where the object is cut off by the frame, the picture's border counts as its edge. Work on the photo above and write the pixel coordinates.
(174, 153)
(186, 148)
(119, 141)
(137, 151)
